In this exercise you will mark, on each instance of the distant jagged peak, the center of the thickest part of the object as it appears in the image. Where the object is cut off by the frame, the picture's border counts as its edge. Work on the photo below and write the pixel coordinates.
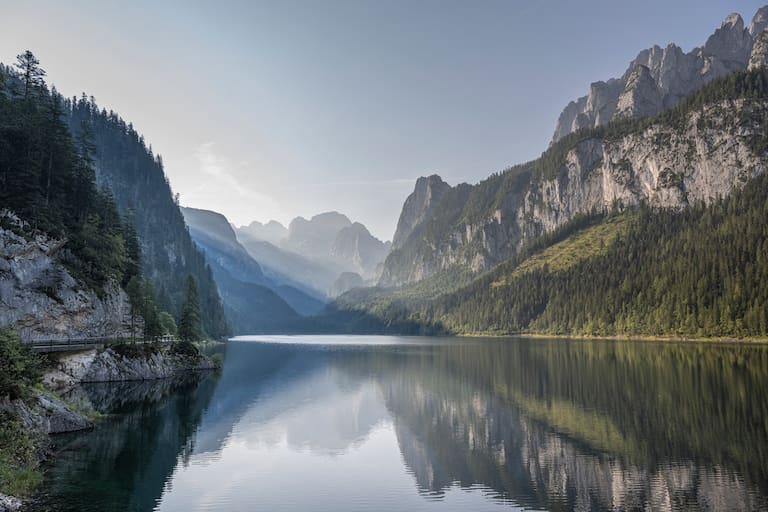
(640, 97)
(759, 22)
(675, 73)
(733, 21)
(273, 231)
(426, 193)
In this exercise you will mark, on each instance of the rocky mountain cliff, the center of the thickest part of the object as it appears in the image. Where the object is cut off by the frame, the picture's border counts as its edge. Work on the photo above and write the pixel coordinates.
(41, 299)
(356, 246)
(711, 143)
(659, 77)
(427, 193)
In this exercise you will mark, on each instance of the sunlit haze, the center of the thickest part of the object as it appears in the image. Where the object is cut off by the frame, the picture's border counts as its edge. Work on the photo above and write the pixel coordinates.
(270, 110)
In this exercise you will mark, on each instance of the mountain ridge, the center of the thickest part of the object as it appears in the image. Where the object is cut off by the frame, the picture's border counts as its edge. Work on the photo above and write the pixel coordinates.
(672, 75)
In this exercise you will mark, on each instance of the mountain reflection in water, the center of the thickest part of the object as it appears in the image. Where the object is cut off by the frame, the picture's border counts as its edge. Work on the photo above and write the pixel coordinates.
(326, 423)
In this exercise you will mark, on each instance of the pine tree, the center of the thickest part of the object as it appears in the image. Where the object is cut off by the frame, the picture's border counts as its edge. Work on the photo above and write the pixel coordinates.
(189, 325)
(31, 72)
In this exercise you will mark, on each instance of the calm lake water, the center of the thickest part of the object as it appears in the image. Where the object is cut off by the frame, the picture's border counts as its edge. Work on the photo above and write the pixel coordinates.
(356, 423)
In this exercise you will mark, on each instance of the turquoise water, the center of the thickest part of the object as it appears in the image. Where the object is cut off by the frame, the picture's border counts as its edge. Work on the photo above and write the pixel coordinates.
(353, 423)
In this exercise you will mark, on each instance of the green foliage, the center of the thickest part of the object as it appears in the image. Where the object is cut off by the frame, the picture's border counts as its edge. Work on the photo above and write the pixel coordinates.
(127, 166)
(185, 348)
(20, 367)
(49, 181)
(19, 475)
(696, 272)
(167, 323)
(189, 326)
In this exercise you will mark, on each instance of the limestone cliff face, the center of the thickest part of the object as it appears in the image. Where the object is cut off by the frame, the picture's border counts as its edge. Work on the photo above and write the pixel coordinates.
(41, 299)
(418, 205)
(759, 56)
(662, 165)
(672, 74)
(114, 365)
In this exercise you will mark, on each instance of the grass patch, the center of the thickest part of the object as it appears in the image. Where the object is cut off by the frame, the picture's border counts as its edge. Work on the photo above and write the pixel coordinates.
(19, 463)
(578, 247)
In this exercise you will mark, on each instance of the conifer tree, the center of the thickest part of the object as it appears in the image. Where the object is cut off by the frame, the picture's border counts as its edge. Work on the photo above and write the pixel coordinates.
(189, 325)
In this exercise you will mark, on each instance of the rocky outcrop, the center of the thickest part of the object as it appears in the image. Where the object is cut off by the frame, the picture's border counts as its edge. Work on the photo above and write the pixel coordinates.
(641, 96)
(674, 73)
(126, 363)
(44, 413)
(427, 193)
(9, 503)
(661, 165)
(759, 56)
(41, 299)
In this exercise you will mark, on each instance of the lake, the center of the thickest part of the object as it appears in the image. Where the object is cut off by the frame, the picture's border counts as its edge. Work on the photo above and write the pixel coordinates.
(355, 423)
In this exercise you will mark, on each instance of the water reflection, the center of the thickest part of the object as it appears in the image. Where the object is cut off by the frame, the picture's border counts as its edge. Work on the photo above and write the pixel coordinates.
(447, 424)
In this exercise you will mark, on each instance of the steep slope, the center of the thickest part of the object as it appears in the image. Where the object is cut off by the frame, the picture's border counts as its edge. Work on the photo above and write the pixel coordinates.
(694, 272)
(135, 177)
(659, 77)
(286, 267)
(234, 268)
(355, 246)
(66, 257)
(418, 206)
(42, 299)
(710, 144)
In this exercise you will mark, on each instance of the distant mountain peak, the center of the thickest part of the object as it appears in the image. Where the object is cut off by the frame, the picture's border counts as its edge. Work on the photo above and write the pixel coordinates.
(759, 21)
(426, 193)
(674, 73)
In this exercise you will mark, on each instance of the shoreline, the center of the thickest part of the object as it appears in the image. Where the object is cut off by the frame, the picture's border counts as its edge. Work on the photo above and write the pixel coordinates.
(638, 338)
(46, 413)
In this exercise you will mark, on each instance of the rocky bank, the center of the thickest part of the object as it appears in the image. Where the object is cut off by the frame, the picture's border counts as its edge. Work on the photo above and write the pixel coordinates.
(122, 363)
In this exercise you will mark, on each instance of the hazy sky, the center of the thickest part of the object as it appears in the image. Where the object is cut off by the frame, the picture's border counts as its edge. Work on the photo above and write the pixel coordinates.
(276, 109)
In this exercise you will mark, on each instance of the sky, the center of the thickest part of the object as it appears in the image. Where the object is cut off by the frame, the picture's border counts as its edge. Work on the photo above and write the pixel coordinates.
(274, 109)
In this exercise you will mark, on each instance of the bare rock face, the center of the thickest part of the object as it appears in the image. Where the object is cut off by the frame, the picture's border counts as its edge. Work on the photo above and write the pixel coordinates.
(641, 96)
(759, 56)
(359, 249)
(9, 503)
(136, 362)
(674, 73)
(759, 22)
(418, 205)
(41, 298)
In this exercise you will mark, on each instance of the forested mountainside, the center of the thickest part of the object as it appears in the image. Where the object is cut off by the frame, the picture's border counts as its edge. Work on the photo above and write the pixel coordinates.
(135, 177)
(252, 301)
(651, 272)
(660, 77)
(706, 146)
(66, 256)
(651, 226)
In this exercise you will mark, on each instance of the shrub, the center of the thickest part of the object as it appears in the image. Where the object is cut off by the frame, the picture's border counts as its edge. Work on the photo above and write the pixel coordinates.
(185, 348)
(20, 367)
